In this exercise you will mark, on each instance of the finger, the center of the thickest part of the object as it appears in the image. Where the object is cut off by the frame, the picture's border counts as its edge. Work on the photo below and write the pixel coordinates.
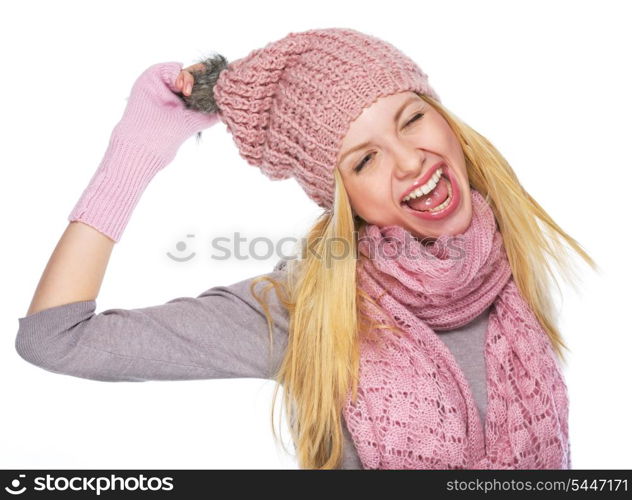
(194, 67)
(185, 80)
(182, 80)
(188, 82)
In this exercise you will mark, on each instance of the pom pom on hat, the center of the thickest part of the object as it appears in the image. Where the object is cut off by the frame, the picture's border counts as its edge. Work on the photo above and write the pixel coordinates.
(202, 97)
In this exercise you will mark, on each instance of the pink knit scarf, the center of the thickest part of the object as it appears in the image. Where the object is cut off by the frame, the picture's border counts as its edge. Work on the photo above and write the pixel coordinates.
(415, 409)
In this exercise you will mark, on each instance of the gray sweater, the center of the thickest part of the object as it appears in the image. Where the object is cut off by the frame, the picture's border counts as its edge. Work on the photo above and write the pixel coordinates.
(222, 333)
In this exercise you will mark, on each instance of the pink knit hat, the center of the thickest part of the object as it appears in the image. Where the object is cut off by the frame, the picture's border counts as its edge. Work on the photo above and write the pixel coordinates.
(289, 104)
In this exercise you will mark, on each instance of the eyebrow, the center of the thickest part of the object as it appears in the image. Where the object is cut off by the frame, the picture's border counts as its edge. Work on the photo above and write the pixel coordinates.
(395, 119)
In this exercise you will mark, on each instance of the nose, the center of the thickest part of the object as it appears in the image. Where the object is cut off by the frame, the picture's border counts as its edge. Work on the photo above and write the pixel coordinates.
(408, 161)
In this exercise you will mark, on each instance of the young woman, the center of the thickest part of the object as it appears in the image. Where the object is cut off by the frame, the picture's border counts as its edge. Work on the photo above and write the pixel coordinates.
(415, 329)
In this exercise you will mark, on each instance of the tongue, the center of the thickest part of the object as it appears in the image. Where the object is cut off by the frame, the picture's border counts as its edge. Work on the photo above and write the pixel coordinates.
(433, 199)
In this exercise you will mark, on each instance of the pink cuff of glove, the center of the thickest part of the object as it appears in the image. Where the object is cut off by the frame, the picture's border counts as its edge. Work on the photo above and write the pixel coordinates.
(115, 188)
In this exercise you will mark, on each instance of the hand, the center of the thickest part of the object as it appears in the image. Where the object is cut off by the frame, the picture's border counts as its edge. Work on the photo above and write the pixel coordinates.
(156, 117)
(156, 121)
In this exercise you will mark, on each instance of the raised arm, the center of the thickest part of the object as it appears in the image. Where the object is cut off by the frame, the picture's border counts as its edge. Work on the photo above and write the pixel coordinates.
(221, 333)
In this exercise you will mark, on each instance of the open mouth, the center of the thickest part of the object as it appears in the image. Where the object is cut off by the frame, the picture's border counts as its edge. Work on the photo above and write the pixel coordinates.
(435, 200)
(439, 202)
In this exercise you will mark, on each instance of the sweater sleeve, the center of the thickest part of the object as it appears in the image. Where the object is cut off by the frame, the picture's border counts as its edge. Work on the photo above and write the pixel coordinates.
(221, 333)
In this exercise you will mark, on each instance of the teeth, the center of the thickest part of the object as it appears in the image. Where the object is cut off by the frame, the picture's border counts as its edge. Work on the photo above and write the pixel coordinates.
(426, 188)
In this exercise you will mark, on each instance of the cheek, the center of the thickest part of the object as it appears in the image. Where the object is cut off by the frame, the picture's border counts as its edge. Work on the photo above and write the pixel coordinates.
(447, 143)
(371, 198)
(445, 139)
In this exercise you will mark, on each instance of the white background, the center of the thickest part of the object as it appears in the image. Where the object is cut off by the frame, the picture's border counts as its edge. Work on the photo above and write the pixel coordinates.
(547, 82)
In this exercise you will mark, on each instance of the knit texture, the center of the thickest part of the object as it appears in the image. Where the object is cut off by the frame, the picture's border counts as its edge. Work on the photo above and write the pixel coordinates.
(415, 409)
(154, 125)
(289, 104)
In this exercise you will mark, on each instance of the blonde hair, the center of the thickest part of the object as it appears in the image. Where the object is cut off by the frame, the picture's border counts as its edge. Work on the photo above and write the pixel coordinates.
(326, 309)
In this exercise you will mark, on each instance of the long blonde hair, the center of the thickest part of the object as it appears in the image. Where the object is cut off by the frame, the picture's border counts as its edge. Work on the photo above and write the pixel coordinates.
(326, 314)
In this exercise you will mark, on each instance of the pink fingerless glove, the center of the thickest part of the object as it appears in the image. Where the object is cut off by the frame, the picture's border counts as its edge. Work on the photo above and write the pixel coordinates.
(154, 126)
